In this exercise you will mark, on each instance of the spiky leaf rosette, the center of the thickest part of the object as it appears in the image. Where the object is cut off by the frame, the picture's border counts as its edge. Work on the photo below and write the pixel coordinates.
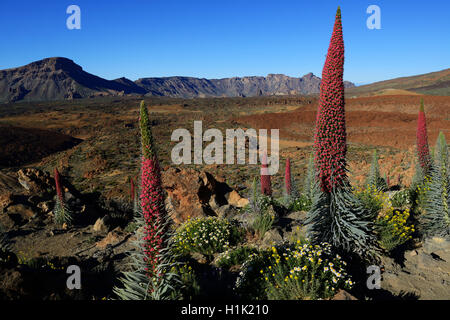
(266, 185)
(339, 218)
(374, 179)
(436, 220)
(310, 185)
(136, 285)
(418, 177)
(423, 151)
(61, 212)
(330, 135)
(151, 194)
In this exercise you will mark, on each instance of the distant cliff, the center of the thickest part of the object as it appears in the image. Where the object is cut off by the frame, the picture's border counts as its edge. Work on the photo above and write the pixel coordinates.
(61, 78)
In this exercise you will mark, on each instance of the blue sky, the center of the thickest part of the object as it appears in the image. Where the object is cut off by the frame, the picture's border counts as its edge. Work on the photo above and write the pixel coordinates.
(216, 39)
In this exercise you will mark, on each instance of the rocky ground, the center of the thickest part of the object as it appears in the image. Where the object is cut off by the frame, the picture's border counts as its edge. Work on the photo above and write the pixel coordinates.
(103, 234)
(97, 165)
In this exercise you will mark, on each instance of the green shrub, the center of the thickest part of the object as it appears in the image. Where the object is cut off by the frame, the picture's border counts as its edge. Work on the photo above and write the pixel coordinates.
(371, 198)
(301, 203)
(235, 256)
(394, 228)
(262, 223)
(131, 227)
(205, 235)
(374, 179)
(250, 284)
(295, 272)
(259, 207)
(188, 288)
(401, 199)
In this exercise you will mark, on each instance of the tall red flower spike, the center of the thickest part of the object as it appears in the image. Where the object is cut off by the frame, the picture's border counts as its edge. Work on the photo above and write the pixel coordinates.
(151, 197)
(287, 177)
(266, 185)
(330, 136)
(58, 185)
(422, 139)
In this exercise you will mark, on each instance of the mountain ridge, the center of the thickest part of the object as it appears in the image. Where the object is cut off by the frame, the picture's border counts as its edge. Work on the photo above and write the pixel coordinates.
(59, 78)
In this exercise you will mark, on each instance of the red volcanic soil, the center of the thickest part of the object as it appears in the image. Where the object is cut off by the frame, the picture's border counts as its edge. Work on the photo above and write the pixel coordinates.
(23, 145)
(379, 121)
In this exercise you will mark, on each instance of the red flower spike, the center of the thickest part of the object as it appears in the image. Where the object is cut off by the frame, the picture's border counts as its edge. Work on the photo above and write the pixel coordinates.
(266, 185)
(58, 185)
(151, 196)
(330, 138)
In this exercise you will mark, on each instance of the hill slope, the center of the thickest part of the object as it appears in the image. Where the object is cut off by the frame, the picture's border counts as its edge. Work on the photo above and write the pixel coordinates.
(434, 83)
(56, 79)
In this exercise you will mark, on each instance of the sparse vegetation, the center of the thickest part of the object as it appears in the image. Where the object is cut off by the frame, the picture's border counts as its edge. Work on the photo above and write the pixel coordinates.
(204, 235)
(294, 272)
(394, 228)
(436, 219)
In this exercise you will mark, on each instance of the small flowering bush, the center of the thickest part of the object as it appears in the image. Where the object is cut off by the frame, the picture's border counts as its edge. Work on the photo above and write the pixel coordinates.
(422, 191)
(301, 203)
(394, 228)
(188, 286)
(305, 272)
(372, 198)
(204, 235)
(401, 199)
(235, 256)
(293, 272)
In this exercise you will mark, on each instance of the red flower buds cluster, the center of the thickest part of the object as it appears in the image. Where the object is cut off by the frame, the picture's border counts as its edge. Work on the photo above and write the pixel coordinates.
(330, 136)
(152, 203)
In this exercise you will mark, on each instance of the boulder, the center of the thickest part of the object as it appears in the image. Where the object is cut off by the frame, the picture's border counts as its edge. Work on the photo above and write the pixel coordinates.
(5, 200)
(111, 238)
(192, 193)
(236, 200)
(425, 274)
(343, 295)
(23, 212)
(45, 206)
(227, 211)
(101, 225)
(271, 237)
(35, 181)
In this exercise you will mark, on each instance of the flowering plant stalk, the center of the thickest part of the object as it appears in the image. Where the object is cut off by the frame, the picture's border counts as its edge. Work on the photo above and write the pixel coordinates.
(150, 278)
(62, 214)
(266, 185)
(336, 215)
